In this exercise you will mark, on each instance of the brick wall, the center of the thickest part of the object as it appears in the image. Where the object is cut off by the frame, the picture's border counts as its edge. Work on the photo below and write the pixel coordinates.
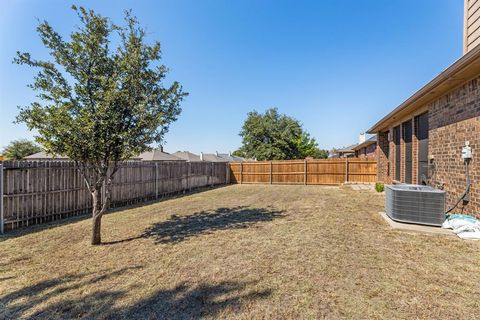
(414, 153)
(391, 159)
(383, 152)
(402, 155)
(454, 119)
(368, 151)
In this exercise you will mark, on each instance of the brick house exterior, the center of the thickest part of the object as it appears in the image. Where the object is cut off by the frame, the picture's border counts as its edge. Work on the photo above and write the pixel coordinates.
(421, 140)
(366, 149)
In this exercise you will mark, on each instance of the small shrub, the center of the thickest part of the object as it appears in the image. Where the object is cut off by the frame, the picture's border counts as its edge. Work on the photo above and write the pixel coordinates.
(379, 186)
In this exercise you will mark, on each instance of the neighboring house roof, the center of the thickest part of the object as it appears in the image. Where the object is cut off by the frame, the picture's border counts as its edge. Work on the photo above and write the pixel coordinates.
(213, 158)
(366, 143)
(187, 156)
(158, 155)
(459, 72)
(154, 155)
(230, 157)
(337, 153)
(42, 155)
(346, 149)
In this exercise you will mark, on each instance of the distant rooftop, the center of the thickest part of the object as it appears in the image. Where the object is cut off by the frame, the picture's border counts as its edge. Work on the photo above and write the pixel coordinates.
(366, 143)
(158, 155)
(347, 149)
(154, 155)
(42, 155)
(187, 156)
(213, 157)
(230, 157)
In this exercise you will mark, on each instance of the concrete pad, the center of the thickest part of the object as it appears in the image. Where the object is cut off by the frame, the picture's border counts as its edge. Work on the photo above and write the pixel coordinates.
(415, 227)
(360, 187)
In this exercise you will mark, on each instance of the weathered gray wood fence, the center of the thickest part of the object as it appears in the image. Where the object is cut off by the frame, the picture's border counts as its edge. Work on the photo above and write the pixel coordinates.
(35, 192)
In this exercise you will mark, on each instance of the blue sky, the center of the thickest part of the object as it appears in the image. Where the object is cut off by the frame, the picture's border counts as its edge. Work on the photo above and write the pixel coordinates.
(337, 66)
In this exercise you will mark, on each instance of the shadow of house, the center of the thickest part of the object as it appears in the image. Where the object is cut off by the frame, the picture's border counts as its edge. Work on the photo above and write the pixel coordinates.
(180, 228)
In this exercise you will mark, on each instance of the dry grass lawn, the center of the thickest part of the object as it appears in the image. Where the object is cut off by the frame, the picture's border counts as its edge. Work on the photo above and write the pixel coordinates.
(241, 252)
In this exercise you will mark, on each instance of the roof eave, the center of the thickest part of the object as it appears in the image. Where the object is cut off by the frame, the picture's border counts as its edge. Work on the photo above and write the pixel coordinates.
(462, 70)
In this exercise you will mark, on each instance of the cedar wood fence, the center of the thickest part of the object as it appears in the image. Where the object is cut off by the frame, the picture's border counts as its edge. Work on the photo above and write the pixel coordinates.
(40, 191)
(308, 172)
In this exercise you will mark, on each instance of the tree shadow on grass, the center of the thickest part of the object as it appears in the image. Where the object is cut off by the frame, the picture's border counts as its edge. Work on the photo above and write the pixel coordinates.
(195, 301)
(180, 228)
(52, 299)
(17, 304)
(69, 219)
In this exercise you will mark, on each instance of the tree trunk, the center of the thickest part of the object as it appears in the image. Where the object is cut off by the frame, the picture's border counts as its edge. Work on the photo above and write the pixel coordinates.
(100, 184)
(97, 213)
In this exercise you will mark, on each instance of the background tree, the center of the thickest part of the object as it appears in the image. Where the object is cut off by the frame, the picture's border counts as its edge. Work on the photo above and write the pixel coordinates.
(275, 136)
(100, 105)
(321, 154)
(19, 149)
(308, 147)
(239, 153)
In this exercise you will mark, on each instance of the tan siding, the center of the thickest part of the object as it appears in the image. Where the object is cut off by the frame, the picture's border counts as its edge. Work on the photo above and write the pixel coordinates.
(473, 5)
(472, 24)
(475, 42)
(473, 15)
(473, 31)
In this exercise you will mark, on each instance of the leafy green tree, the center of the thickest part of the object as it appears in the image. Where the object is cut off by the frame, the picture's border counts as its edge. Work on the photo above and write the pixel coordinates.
(306, 144)
(275, 136)
(321, 154)
(19, 149)
(270, 136)
(100, 103)
(239, 153)
(308, 147)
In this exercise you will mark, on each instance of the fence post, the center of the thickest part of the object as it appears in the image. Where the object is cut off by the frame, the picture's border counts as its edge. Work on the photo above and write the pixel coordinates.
(271, 172)
(189, 172)
(241, 172)
(211, 174)
(346, 170)
(305, 172)
(156, 180)
(1, 198)
(227, 172)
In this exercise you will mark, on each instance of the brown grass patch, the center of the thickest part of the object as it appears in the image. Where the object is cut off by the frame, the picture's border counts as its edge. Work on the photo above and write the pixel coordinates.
(241, 252)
